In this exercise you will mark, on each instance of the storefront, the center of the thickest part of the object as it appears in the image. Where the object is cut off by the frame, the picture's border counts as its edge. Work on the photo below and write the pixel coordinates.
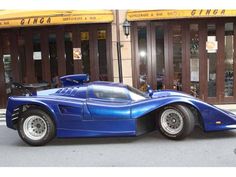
(187, 50)
(36, 47)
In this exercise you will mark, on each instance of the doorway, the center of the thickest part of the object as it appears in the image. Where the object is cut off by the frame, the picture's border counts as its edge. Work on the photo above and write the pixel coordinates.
(39, 54)
(193, 56)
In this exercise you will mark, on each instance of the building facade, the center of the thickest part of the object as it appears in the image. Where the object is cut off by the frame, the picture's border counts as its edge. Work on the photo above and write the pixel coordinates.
(186, 50)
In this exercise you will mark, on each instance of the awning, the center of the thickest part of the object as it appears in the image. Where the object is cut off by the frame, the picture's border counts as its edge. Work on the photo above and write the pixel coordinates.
(138, 15)
(23, 18)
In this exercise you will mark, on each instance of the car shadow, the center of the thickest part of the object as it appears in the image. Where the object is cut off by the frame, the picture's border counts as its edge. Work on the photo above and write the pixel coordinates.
(200, 134)
(197, 134)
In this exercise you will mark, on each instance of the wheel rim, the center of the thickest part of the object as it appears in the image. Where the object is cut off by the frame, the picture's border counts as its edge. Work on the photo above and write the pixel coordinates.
(172, 121)
(35, 127)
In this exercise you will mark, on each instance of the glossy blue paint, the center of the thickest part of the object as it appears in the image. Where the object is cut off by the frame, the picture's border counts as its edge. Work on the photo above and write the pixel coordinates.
(78, 112)
(76, 79)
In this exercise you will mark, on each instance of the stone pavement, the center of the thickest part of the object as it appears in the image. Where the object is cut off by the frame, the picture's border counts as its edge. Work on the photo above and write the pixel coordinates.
(2, 113)
(2, 116)
(228, 107)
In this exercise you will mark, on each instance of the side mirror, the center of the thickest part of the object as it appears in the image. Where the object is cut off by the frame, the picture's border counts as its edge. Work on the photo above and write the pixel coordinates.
(150, 91)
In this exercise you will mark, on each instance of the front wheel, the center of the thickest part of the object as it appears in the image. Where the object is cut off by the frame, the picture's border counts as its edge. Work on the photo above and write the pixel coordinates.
(35, 127)
(176, 121)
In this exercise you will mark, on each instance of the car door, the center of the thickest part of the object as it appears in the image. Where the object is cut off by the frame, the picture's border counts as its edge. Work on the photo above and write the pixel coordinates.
(109, 108)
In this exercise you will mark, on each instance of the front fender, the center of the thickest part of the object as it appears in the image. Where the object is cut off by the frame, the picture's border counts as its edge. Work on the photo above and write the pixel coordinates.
(142, 108)
(213, 118)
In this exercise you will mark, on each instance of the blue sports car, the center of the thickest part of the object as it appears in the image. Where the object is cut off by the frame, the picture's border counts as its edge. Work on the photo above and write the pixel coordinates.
(101, 109)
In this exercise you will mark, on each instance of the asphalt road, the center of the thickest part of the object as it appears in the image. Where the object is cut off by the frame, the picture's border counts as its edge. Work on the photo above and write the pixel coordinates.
(199, 149)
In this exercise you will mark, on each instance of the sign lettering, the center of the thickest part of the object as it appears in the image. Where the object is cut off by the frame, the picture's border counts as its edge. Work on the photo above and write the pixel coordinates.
(35, 21)
(207, 12)
(133, 15)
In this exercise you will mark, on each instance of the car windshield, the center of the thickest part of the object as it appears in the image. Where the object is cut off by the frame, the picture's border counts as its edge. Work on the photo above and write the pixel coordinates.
(137, 95)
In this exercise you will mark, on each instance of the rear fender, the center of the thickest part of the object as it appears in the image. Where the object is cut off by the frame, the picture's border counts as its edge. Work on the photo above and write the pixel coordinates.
(16, 106)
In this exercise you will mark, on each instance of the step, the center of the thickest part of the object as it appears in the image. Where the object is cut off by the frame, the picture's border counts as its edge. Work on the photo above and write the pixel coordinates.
(2, 111)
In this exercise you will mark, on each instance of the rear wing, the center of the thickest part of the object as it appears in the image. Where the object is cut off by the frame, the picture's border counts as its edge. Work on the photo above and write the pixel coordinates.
(73, 80)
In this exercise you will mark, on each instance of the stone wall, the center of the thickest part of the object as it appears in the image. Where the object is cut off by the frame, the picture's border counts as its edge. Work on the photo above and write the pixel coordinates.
(125, 51)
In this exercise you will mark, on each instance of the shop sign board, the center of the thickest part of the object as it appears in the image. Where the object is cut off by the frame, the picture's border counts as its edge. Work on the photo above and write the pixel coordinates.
(77, 55)
(137, 15)
(211, 44)
(37, 55)
(21, 18)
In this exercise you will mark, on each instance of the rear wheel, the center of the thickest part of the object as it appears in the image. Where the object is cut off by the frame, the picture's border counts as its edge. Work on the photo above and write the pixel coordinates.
(176, 121)
(35, 127)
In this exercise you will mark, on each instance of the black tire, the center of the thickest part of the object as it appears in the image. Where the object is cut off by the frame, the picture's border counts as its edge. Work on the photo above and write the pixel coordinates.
(187, 123)
(48, 133)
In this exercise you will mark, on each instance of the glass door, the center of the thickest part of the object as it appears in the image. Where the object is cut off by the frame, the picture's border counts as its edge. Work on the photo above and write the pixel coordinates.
(229, 64)
(160, 57)
(177, 56)
(142, 54)
(211, 46)
(7, 62)
(194, 59)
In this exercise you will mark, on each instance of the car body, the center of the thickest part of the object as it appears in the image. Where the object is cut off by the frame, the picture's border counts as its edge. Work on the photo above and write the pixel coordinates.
(101, 109)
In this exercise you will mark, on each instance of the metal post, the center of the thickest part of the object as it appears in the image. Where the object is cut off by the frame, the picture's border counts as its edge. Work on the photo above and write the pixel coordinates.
(118, 45)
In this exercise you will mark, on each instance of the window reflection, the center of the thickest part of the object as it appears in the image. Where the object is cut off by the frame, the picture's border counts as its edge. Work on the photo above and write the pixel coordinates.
(7, 62)
(177, 57)
(85, 52)
(37, 56)
(142, 48)
(102, 55)
(53, 60)
(194, 59)
(211, 47)
(229, 53)
(160, 68)
(69, 53)
(22, 58)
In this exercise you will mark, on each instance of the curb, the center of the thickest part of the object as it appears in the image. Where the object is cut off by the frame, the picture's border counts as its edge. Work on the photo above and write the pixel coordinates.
(2, 120)
(2, 117)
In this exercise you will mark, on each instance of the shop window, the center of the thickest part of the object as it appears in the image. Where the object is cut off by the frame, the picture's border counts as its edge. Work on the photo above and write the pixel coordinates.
(229, 58)
(53, 58)
(142, 48)
(7, 62)
(69, 53)
(160, 66)
(102, 55)
(22, 58)
(211, 47)
(177, 57)
(194, 59)
(37, 56)
(85, 52)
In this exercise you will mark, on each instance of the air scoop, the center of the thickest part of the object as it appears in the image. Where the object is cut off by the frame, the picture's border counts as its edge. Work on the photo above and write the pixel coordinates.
(73, 80)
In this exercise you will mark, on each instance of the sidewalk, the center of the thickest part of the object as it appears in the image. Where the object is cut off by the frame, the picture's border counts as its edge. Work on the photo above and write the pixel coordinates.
(228, 107)
(2, 111)
(2, 114)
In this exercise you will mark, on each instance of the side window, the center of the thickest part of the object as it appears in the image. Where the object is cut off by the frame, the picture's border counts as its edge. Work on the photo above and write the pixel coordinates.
(82, 91)
(107, 92)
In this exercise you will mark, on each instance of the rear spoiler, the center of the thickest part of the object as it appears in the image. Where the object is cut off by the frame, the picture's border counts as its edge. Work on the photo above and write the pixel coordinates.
(73, 80)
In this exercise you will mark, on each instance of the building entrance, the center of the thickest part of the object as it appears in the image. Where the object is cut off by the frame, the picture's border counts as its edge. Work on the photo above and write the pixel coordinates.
(193, 56)
(43, 54)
